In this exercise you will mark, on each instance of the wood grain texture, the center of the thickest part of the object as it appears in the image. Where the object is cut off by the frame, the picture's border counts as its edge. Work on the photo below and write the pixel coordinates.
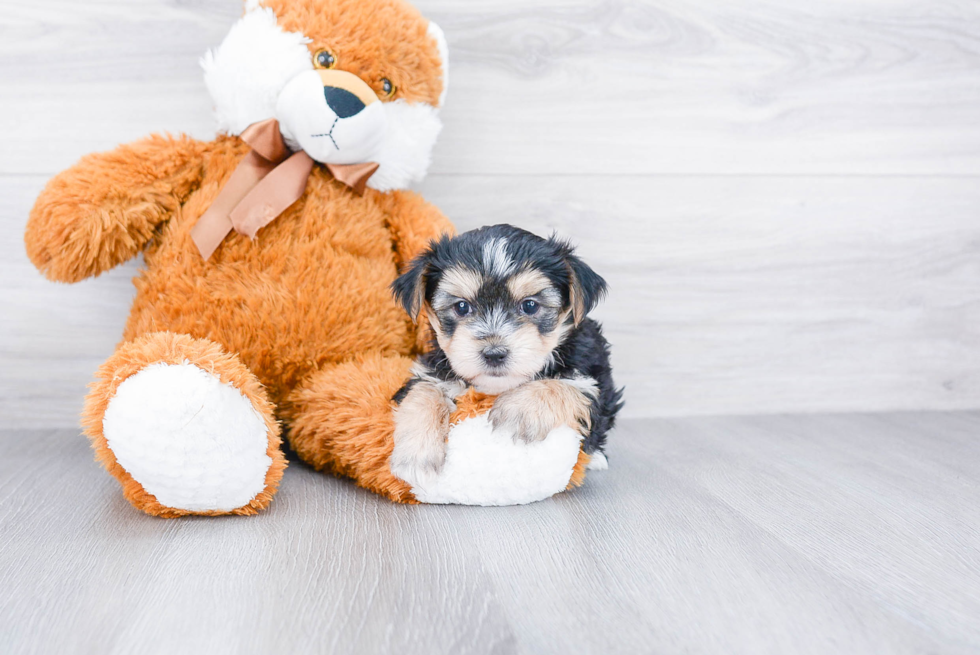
(785, 534)
(728, 295)
(556, 86)
(782, 194)
(738, 295)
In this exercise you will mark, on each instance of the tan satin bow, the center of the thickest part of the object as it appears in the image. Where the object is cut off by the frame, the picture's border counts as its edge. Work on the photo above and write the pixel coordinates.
(267, 181)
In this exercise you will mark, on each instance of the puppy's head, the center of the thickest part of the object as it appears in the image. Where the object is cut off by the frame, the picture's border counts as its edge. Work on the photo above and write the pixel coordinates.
(500, 301)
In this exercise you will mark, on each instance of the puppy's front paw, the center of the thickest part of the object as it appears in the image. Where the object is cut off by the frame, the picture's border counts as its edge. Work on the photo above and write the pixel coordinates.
(512, 413)
(534, 409)
(418, 466)
(421, 428)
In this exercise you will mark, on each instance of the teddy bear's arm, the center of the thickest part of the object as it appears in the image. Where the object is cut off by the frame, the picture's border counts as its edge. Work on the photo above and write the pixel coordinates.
(103, 210)
(413, 222)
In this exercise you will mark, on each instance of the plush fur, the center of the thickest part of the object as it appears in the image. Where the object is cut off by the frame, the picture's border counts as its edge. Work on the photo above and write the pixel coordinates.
(295, 330)
(296, 315)
(153, 349)
(378, 40)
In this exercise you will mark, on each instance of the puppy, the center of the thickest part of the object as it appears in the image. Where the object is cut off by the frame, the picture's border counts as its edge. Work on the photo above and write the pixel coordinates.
(508, 309)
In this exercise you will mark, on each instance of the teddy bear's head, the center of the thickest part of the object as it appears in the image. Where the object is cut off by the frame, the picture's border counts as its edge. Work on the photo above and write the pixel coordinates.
(350, 81)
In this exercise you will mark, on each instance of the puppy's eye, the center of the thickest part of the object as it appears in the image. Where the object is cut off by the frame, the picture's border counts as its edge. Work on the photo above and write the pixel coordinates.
(387, 87)
(324, 59)
(530, 306)
(462, 308)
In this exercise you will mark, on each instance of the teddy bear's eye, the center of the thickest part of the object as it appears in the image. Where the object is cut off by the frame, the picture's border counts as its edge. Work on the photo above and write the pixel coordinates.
(387, 87)
(324, 59)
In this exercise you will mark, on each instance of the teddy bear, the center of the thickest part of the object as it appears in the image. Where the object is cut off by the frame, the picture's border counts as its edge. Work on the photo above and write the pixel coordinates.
(263, 308)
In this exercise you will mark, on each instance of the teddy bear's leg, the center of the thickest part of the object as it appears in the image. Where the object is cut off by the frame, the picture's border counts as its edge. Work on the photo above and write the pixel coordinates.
(185, 427)
(340, 420)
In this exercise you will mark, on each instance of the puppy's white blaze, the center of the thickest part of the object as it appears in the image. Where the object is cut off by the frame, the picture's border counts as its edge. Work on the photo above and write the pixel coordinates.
(495, 323)
(496, 261)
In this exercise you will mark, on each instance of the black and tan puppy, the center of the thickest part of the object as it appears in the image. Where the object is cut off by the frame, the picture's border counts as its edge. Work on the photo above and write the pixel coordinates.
(508, 309)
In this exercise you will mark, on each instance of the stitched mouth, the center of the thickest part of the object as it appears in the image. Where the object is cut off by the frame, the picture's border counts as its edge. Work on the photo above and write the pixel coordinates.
(329, 134)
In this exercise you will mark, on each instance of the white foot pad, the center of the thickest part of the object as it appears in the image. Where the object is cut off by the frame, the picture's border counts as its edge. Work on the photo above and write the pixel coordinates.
(193, 442)
(486, 467)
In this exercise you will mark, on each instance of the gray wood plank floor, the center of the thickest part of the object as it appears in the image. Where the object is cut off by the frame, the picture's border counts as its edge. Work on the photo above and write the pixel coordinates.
(782, 534)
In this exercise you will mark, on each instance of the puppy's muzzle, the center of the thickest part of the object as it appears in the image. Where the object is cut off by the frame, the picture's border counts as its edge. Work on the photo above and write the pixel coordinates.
(495, 356)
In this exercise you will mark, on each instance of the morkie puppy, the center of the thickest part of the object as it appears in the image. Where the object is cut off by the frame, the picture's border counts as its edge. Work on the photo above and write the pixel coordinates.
(508, 309)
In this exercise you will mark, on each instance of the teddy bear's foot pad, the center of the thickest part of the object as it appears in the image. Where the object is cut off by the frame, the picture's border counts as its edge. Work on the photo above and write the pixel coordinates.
(193, 442)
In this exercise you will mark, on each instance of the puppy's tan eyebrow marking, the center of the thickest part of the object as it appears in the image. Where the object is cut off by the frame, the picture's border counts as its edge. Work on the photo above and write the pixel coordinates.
(460, 282)
(527, 283)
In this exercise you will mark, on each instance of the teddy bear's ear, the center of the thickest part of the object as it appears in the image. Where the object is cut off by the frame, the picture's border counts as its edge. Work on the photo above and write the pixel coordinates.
(436, 33)
(245, 74)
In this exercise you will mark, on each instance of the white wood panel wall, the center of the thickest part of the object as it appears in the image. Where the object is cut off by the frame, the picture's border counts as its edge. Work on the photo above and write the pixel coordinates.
(783, 194)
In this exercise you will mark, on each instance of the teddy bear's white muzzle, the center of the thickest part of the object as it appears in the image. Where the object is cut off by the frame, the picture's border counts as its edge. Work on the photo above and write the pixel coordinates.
(333, 115)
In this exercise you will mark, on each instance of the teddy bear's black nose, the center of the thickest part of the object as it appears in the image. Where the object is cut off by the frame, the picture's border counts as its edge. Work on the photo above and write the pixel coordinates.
(344, 103)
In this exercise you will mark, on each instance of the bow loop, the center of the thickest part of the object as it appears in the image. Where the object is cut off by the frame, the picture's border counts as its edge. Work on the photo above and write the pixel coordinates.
(265, 138)
(355, 176)
(266, 183)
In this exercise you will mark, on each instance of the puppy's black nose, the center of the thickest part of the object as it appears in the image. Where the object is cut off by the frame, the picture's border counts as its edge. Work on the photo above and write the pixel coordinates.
(344, 103)
(495, 355)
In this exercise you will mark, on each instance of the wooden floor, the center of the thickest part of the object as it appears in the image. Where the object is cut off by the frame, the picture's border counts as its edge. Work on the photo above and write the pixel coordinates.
(784, 534)
(783, 195)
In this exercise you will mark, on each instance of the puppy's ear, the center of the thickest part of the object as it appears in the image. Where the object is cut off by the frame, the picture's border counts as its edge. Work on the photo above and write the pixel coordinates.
(585, 287)
(409, 287)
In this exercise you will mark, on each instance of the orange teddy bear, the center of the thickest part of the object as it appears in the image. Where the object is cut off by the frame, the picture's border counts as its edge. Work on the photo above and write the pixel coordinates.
(264, 302)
